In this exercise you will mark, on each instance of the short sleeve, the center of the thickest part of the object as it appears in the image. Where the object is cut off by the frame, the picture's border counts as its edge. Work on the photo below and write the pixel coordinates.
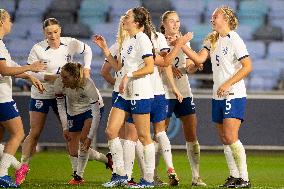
(145, 46)
(77, 46)
(240, 48)
(163, 44)
(33, 55)
(91, 90)
(207, 46)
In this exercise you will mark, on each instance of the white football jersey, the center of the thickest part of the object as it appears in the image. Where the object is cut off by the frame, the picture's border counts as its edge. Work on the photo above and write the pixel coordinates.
(119, 74)
(55, 59)
(78, 100)
(133, 51)
(225, 60)
(160, 44)
(6, 81)
(181, 83)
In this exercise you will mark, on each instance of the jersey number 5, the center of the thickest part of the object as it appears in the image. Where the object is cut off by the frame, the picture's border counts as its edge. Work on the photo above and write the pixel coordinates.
(217, 59)
(228, 107)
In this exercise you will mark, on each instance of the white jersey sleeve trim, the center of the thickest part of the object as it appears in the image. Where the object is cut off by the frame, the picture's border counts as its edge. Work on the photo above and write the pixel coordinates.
(87, 56)
(146, 55)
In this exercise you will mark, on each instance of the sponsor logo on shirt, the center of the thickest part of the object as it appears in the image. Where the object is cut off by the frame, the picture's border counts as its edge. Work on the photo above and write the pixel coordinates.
(225, 50)
(130, 48)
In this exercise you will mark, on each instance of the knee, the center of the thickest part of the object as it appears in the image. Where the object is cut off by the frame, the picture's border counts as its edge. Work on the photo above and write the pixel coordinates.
(19, 135)
(158, 129)
(142, 139)
(109, 133)
(227, 139)
(73, 152)
(145, 139)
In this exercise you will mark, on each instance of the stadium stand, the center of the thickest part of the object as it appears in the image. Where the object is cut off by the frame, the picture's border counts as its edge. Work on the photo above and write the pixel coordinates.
(261, 27)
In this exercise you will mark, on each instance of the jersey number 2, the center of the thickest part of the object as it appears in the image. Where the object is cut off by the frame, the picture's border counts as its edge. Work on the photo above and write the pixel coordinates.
(58, 71)
(177, 61)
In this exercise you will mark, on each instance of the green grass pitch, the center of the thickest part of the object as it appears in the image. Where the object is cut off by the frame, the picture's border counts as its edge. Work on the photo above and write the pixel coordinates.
(52, 169)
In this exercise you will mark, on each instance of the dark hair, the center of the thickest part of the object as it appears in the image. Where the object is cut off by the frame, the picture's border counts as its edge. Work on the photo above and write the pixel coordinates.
(49, 22)
(142, 16)
(163, 18)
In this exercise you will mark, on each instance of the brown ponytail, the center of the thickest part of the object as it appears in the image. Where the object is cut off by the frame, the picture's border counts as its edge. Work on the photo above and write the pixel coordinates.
(142, 16)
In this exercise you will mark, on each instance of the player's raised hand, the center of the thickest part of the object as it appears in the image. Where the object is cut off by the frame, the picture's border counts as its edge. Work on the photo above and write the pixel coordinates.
(185, 38)
(100, 41)
(172, 40)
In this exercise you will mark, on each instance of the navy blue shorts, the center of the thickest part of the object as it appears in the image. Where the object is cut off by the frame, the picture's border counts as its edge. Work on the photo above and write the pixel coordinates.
(76, 122)
(186, 107)
(114, 96)
(42, 105)
(8, 110)
(233, 108)
(158, 110)
(134, 106)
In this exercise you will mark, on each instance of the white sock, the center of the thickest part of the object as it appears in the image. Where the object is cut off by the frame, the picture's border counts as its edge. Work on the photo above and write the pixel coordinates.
(95, 155)
(149, 154)
(158, 154)
(94, 142)
(1, 149)
(139, 152)
(193, 155)
(15, 163)
(25, 159)
(239, 155)
(5, 163)
(74, 162)
(234, 172)
(116, 150)
(82, 162)
(166, 150)
(129, 157)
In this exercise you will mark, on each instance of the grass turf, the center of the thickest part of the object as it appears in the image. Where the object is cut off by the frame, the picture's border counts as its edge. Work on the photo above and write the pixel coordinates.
(53, 170)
